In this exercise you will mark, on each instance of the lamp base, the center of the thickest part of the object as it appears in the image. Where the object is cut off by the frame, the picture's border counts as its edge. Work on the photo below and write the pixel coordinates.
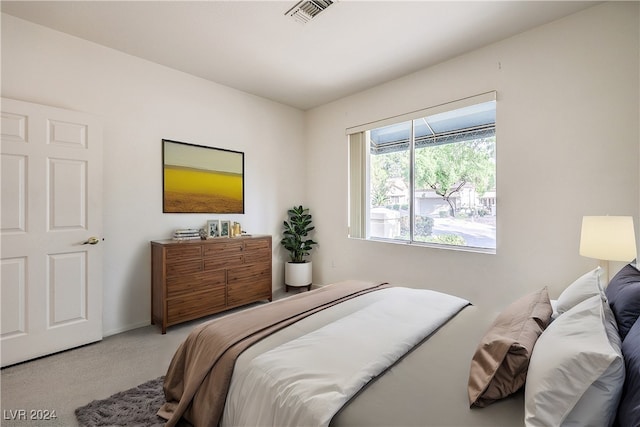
(604, 274)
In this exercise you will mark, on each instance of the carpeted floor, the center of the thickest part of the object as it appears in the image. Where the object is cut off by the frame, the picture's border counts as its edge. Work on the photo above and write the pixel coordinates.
(62, 382)
(134, 407)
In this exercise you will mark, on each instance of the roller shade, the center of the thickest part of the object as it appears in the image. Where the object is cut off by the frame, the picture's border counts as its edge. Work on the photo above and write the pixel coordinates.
(464, 124)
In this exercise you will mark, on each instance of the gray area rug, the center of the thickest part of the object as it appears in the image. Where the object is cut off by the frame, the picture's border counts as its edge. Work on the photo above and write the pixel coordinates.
(133, 407)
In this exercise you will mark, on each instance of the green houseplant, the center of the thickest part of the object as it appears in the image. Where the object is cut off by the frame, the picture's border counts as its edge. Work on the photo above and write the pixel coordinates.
(296, 234)
(297, 241)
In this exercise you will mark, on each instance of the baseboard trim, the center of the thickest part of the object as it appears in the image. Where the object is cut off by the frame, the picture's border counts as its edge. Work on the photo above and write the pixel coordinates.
(125, 328)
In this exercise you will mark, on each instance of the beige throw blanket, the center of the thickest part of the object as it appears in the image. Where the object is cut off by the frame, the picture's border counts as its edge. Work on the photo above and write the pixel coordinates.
(199, 375)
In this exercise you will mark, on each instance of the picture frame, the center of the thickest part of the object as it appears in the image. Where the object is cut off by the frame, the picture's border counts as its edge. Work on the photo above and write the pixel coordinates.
(225, 228)
(213, 228)
(201, 179)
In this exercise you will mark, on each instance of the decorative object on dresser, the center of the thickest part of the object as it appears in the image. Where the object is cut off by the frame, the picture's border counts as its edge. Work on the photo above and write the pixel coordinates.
(186, 234)
(296, 240)
(196, 278)
(225, 228)
(213, 228)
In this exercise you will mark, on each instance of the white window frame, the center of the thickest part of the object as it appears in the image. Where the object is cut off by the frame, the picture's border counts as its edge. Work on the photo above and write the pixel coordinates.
(358, 159)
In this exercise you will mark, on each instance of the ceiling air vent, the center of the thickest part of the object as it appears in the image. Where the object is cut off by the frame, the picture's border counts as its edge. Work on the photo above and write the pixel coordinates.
(306, 10)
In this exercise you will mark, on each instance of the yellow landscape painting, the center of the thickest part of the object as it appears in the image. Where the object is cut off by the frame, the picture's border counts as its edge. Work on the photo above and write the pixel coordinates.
(201, 180)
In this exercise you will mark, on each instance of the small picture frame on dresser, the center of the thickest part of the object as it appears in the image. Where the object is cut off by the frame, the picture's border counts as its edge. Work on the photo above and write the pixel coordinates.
(225, 228)
(213, 228)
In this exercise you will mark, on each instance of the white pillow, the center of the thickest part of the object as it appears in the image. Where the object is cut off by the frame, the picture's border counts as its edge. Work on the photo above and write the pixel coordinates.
(584, 287)
(554, 309)
(576, 372)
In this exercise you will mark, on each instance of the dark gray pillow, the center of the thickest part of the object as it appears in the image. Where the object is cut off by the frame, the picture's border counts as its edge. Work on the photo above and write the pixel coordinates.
(623, 294)
(629, 409)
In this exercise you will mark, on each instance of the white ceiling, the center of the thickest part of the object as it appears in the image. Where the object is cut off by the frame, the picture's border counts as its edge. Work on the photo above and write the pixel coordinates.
(252, 46)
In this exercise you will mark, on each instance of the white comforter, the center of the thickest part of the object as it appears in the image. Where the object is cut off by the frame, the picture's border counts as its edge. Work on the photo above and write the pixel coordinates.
(305, 381)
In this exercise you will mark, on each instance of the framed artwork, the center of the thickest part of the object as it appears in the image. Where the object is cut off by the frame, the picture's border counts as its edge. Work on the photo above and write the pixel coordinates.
(225, 228)
(200, 179)
(213, 228)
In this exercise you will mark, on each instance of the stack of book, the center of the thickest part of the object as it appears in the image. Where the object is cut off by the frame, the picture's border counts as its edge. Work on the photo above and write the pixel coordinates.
(186, 234)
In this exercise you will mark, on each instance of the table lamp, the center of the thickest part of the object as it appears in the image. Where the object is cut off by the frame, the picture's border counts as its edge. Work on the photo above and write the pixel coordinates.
(608, 238)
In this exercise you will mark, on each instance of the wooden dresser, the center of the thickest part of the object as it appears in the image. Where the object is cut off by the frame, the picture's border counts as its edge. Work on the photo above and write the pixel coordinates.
(195, 278)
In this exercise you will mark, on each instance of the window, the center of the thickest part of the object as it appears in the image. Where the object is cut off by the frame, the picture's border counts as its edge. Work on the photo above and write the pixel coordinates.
(427, 177)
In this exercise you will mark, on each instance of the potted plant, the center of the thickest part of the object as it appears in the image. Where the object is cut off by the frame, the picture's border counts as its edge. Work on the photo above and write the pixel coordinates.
(296, 240)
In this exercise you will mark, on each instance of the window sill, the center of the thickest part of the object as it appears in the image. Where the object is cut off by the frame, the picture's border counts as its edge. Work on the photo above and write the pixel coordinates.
(489, 251)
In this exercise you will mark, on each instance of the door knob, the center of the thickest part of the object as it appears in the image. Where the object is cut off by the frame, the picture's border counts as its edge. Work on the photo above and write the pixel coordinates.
(91, 241)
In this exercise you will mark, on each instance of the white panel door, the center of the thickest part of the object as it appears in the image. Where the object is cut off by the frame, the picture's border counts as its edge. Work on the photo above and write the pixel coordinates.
(51, 204)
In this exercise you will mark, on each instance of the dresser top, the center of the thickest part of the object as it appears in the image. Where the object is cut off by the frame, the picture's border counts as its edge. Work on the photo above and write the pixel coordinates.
(213, 240)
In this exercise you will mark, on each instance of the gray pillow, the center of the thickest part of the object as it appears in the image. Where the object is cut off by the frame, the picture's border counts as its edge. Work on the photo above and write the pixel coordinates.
(583, 287)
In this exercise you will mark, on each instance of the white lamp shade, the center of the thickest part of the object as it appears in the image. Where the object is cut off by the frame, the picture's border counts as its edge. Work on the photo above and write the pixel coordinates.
(610, 238)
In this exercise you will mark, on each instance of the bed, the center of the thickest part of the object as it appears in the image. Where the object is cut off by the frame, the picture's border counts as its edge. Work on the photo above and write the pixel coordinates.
(466, 369)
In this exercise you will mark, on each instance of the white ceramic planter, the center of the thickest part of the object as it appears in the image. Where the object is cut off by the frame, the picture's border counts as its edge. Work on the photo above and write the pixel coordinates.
(297, 274)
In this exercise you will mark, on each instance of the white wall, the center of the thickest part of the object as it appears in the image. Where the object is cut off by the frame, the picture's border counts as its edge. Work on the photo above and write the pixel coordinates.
(567, 135)
(140, 103)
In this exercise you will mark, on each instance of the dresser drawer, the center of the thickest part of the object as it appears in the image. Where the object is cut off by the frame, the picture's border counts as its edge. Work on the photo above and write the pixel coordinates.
(256, 244)
(244, 292)
(196, 305)
(250, 274)
(180, 253)
(182, 268)
(248, 283)
(190, 283)
(225, 261)
(222, 248)
(258, 256)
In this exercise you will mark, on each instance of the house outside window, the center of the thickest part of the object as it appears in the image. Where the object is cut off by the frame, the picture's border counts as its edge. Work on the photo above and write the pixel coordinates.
(427, 178)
